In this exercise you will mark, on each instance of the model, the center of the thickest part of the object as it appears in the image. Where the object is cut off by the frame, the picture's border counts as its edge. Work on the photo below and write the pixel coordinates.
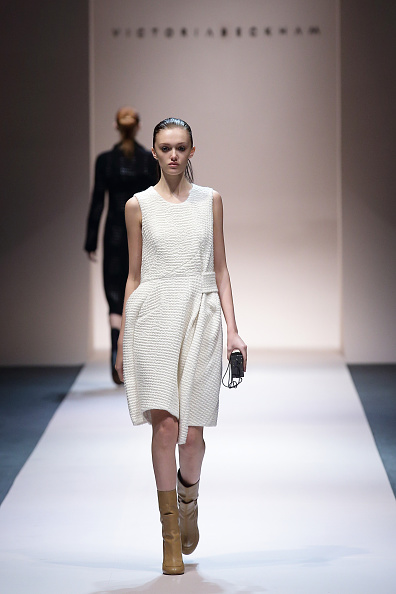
(170, 343)
(126, 169)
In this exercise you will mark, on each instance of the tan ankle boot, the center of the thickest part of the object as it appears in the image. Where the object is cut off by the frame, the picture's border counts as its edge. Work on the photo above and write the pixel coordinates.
(173, 561)
(188, 515)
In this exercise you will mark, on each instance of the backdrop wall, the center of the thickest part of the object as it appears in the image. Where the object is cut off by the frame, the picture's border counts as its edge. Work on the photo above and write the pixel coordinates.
(45, 184)
(44, 316)
(369, 180)
(258, 83)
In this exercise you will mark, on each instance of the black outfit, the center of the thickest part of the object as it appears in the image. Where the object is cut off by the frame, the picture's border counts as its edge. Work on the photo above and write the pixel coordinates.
(121, 178)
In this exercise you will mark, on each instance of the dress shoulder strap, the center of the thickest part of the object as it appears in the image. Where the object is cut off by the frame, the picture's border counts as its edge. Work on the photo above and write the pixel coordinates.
(145, 196)
(202, 192)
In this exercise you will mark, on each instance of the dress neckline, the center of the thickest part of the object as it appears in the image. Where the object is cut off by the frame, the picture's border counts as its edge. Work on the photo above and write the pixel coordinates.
(174, 203)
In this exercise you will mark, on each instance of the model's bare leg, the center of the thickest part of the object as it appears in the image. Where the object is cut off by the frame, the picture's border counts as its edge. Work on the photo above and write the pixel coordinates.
(115, 325)
(190, 456)
(165, 431)
(115, 320)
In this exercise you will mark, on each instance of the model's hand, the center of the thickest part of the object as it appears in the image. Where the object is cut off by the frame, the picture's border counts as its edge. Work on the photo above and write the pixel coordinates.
(235, 342)
(92, 256)
(119, 363)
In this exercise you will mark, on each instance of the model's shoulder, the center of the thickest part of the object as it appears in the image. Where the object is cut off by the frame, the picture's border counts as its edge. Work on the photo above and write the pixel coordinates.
(133, 213)
(217, 205)
(132, 205)
(145, 196)
(203, 191)
(217, 200)
(146, 193)
(202, 188)
(139, 148)
(103, 157)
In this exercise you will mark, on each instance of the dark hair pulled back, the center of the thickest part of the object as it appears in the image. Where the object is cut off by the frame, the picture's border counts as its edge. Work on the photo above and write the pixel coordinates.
(176, 123)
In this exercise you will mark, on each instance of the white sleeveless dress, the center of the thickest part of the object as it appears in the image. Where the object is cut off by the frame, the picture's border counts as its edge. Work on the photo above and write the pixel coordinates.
(173, 333)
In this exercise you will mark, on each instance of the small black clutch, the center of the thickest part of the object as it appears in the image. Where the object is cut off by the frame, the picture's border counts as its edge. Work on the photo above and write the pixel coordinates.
(235, 370)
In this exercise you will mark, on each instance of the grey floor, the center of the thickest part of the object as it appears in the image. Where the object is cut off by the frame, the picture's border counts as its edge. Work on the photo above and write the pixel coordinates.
(376, 386)
(29, 396)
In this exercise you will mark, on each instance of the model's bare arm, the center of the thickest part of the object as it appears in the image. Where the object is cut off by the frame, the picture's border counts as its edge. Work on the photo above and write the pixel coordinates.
(234, 341)
(133, 221)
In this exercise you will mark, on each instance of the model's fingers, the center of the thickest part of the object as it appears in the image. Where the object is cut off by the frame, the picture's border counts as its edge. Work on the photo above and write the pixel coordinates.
(244, 353)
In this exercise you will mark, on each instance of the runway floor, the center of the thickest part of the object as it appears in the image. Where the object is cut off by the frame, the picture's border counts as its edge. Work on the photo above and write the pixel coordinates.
(294, 498)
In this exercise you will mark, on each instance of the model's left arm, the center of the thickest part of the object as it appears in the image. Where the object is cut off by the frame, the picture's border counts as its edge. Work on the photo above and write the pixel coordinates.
(234, 341)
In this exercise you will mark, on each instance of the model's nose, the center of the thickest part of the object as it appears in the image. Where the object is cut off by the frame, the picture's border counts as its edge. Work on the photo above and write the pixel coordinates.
(174, 155)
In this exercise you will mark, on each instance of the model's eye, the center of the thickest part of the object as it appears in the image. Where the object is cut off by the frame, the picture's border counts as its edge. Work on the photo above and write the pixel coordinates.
(182, 148)
(164, 149)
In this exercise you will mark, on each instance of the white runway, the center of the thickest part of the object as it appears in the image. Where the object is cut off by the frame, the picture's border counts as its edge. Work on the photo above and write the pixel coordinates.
(294, 498)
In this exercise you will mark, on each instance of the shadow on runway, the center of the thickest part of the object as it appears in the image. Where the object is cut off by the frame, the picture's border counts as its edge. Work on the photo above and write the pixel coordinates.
(194, 582)
(103, 392)
(189, 583)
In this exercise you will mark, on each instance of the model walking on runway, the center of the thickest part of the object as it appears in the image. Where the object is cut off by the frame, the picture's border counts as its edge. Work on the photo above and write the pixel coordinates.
(126, 169)
(170, 343)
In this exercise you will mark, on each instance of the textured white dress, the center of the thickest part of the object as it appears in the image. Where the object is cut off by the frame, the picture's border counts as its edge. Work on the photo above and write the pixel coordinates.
(173, 333)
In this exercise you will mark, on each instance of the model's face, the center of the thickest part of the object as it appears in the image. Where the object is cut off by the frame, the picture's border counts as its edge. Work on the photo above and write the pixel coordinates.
(173, 149)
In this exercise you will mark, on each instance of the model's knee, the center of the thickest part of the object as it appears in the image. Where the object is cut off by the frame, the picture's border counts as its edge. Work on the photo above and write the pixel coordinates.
(194, 442)
(165, 432)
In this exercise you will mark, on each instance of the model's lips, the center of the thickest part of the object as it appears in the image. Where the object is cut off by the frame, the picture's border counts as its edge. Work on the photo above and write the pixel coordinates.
(173, 164)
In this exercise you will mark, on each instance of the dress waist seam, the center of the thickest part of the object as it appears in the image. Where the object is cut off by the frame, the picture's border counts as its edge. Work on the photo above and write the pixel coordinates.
(208, 279)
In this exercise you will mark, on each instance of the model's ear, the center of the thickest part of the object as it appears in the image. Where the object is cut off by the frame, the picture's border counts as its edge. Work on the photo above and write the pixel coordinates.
(154, 153)
(192, 152)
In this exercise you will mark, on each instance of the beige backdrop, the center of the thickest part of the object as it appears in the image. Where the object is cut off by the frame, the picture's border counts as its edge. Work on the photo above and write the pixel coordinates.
(265, 116)
(44, 272)
(44, 172)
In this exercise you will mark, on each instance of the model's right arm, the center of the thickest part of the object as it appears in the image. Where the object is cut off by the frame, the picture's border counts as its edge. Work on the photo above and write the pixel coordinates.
(133, 221)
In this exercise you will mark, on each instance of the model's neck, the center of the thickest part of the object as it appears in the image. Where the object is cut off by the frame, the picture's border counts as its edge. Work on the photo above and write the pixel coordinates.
(174, 185)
